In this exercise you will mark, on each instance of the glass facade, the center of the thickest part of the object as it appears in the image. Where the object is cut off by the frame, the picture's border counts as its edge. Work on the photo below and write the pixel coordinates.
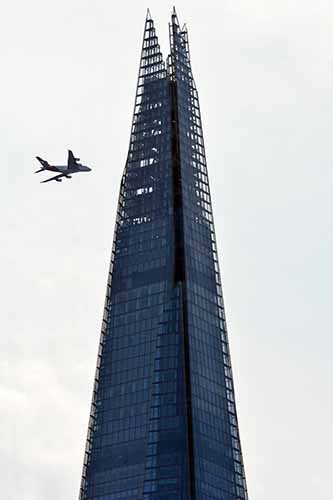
(163, 422)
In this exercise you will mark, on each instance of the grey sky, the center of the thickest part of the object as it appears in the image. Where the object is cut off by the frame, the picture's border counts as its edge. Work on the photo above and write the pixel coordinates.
(264, 74)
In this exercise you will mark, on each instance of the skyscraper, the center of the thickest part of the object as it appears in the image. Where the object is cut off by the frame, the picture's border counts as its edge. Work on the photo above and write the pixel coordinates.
(163, 422)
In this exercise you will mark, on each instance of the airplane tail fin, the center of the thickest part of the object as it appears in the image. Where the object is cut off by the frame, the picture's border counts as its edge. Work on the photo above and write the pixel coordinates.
(43, 162)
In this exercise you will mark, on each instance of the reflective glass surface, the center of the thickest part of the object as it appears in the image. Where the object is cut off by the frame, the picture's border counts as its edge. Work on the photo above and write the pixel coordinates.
(163, 422)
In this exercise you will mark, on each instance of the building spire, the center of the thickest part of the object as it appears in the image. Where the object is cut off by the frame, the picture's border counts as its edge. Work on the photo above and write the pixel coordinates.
(174, 14)
(148, 17)
(174, 18)
(163, 386)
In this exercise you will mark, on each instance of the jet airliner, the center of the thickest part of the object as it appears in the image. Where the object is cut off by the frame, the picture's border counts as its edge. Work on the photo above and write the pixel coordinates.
(72, 167)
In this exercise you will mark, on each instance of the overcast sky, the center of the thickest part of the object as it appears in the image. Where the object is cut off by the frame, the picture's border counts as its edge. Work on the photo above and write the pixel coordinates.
(263, 69)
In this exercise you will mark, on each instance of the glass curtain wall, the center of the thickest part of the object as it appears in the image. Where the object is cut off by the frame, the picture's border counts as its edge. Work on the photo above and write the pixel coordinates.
(163, 423)
(218, 465)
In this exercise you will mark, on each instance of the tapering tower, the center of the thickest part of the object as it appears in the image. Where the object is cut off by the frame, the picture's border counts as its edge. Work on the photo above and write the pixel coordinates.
(163, 423)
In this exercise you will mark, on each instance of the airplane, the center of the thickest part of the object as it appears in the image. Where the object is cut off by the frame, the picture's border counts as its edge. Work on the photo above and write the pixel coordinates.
(72, 167)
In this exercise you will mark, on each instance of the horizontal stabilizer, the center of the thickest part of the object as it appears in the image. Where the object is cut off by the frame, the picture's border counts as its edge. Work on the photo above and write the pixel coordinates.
(43, 162)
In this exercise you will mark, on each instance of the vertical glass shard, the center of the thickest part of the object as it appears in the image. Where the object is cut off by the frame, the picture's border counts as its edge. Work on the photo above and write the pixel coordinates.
(219, 471)
(163, 422)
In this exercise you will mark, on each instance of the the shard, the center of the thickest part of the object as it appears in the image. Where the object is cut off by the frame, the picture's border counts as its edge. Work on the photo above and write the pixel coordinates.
(163, 423)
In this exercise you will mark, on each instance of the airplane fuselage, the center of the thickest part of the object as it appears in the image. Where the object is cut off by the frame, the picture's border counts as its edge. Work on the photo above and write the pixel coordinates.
(63, 169)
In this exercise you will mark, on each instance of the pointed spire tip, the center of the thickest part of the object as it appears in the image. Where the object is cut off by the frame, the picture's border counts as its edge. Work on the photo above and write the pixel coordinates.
(148, 17)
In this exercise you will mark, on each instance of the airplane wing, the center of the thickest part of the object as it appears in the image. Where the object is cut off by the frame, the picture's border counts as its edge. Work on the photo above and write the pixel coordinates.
(55, 178)
(72, 161)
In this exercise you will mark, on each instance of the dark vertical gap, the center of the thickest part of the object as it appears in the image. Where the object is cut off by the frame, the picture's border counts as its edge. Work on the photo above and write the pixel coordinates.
(180, 273)
(179, 267)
